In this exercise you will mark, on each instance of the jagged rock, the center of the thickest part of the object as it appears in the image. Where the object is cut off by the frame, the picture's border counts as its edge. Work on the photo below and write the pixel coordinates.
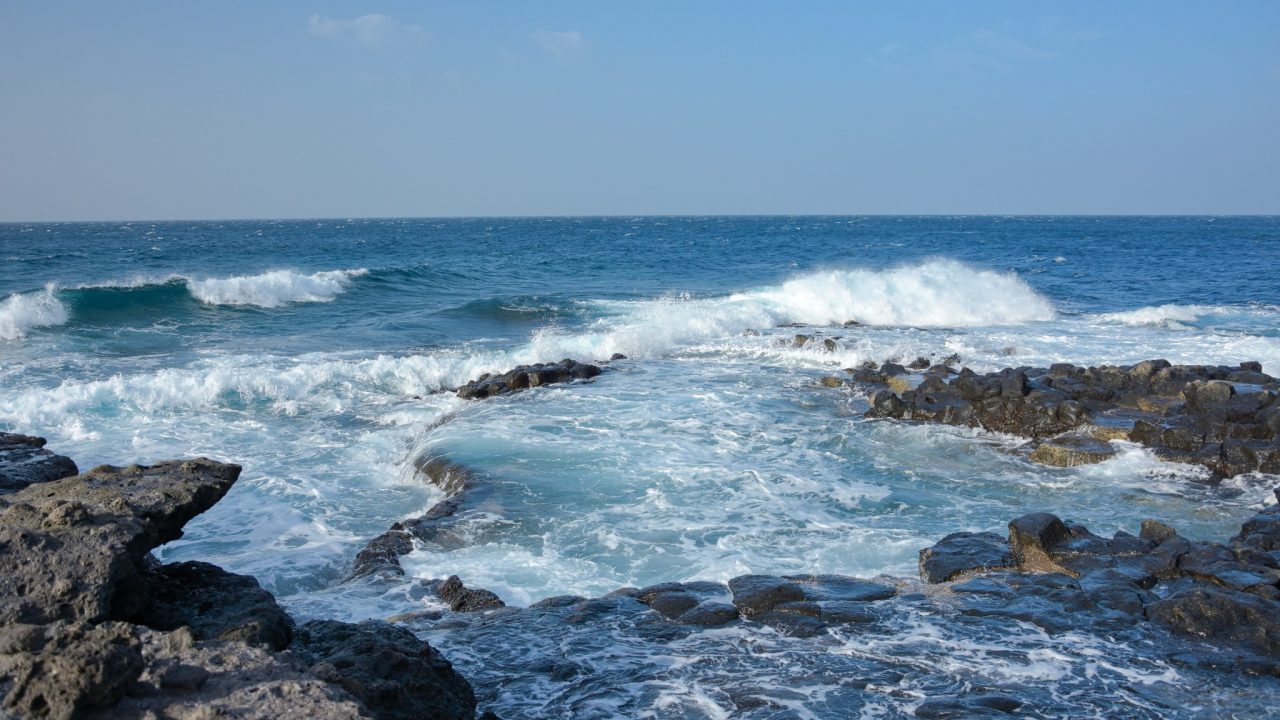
(393, 673)
(62, 669)
(459, 598)
(75, 548)
(1187, 413)
(23, 461)
(184, 678)
(215, 605)
(527, 376)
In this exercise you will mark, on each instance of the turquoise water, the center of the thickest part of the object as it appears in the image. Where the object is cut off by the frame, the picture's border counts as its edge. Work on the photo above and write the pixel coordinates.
(318, 353)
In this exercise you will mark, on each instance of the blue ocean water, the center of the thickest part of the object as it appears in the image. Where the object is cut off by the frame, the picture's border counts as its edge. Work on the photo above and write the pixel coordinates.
(318, 353)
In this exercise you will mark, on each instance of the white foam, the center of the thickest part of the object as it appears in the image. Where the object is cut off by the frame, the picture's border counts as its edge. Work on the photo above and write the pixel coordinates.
(22, 312)
(1174, 316)
(273, 289)
(937, 293)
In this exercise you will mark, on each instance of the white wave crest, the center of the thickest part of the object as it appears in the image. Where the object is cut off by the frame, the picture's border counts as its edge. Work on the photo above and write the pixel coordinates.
(21, 312)
(1174, 316)
(937, 293)
(273, 289)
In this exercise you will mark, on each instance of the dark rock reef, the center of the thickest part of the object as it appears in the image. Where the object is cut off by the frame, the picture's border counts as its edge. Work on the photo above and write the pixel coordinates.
(1224, 418)
(524, 377)
(92, 625)
(1223, 592)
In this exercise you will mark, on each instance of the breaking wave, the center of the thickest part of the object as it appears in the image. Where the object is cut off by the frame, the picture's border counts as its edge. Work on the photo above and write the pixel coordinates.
(22, 312)
(273, 289)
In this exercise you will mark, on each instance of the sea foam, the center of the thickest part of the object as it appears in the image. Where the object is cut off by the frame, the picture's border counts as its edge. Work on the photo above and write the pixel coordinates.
(936, 293)
(21, 312)
(273, 289)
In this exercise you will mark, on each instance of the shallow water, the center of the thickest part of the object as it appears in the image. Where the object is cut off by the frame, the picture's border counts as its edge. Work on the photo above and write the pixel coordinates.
(315, 353)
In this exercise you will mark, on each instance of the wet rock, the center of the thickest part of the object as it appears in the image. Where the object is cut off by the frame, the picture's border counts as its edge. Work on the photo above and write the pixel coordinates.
(830, 382)
(754, 595)
(23, 461)
(962, 554)
(1221, 614)
(527, 376)
(710, 614)
(1072, 450)
(215, 605)
(460, 598)
(1032, 537)
(1185, 413)
(394, 674)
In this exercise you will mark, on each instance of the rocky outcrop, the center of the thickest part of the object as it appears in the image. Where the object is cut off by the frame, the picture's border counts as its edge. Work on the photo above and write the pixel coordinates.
(394, 674)
(1225, 418)
(1228, 593)
(91, 625)
(23, 461)
(524, 377)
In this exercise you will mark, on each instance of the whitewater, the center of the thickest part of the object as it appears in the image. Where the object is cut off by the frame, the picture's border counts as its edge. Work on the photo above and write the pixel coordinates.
(321, 356)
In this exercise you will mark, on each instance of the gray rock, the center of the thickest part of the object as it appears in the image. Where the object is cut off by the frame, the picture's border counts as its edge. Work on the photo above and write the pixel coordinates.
(393, 673)
(215, 605)
(75, 548)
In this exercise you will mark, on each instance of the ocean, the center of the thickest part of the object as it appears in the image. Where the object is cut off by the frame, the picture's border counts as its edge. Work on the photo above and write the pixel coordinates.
(320, 355)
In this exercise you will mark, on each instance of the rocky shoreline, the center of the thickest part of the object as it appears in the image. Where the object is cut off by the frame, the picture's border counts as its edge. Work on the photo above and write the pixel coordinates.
(1226, 419)
(92, 625)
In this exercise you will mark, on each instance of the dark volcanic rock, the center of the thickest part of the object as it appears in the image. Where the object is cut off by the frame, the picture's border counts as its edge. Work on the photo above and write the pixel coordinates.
(74, 548)
(462, 599)
(198, 641)
(215, 605)
(1225, 593)
(1225, 418)
(964, 553)
(1221, 613)
(393, 673)
(527, 376)
(64, 669)
(23, 461)
(184, 678)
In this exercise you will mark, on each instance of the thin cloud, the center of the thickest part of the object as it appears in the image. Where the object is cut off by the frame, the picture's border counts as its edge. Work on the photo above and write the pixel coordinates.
(565, 47)
(989, 49)
(370, 31)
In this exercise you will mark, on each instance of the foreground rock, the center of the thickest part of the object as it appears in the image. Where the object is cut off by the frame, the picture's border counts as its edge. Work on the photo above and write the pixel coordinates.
(1050, 621)
(524, 377)
(23, 461)
(1227, 593)
(92, 625)
(1224, 418)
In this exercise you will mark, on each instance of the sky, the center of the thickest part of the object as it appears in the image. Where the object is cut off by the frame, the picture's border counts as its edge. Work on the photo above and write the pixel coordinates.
(229, 109)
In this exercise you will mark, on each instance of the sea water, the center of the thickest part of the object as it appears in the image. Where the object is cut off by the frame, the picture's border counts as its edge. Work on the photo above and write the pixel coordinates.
(319, 354)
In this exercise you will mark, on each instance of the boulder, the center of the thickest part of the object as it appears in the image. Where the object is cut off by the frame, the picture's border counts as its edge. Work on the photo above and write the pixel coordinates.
(23, 461)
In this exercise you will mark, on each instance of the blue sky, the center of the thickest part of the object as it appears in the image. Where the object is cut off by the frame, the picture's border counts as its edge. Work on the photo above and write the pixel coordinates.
(287, 109)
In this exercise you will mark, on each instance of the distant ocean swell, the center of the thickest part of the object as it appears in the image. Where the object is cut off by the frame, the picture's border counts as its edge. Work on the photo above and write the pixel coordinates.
(53, 306)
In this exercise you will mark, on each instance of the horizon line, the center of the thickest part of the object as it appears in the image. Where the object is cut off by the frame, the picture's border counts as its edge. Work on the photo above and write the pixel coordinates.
(615, 216)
